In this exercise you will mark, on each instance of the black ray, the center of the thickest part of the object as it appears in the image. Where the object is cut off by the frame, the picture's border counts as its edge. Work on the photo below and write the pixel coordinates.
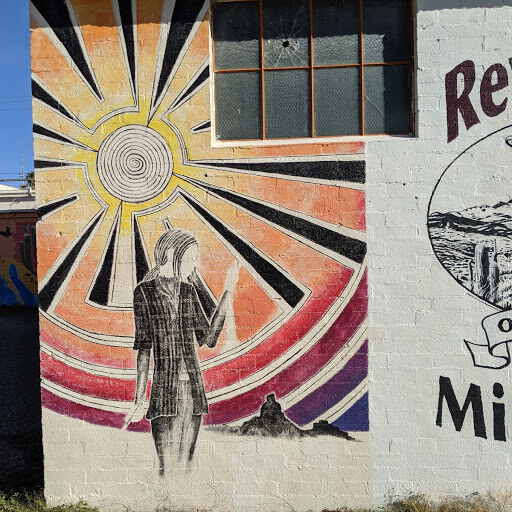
(39, 93)
(191, 88)
(49, 208)
(100, 292)
(269, 272)
(205, 126)
(352, 171)
(141, 259)
(350, 248)
(128, 26)
(50, 164)
(184, 16)
(54, 284)
(57, 15)
(41, 130)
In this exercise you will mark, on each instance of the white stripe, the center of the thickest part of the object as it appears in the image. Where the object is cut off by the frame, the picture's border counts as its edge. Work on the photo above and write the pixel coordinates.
(117, 15)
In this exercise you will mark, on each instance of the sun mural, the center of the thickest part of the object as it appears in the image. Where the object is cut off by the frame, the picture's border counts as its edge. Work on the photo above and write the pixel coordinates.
(123, 152)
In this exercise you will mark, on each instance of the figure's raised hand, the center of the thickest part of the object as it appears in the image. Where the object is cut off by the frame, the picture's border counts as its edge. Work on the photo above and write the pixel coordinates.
(232, 276)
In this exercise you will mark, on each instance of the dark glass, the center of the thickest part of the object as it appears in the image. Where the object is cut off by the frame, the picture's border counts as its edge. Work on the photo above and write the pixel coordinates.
(236, 32)
(238, 105)
(336, 28)
(337, 102)
(386, 30)
(287, 104)
(387, 99)
(285, 33)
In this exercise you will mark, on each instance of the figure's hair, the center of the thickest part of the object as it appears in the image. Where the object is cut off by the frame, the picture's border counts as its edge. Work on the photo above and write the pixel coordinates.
(177, 239)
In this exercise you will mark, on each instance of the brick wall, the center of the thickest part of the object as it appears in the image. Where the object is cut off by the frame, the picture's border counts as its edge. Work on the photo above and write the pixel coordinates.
(130, 178)
(420, 315)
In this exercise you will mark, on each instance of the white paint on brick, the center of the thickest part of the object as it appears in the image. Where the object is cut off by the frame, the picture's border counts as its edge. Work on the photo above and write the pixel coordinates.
(419, 316)
(113, 467)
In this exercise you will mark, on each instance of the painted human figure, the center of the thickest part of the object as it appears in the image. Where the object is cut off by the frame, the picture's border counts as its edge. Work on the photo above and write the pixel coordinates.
(169, 319)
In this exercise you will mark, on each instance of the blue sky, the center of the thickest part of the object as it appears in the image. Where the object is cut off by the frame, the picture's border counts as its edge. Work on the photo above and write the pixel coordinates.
(15, 93)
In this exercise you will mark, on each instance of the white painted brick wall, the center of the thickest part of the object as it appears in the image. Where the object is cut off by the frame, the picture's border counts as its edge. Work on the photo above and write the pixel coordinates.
(419, 315)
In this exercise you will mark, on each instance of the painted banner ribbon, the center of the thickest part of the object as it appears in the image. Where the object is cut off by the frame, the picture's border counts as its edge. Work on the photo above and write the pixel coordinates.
(495, 353)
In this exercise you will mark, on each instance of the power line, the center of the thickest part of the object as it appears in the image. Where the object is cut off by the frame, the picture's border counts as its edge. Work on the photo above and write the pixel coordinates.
(14, 109)
(15, 101)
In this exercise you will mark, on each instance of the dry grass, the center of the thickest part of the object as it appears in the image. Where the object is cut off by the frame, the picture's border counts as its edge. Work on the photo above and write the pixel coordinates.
(28, 503)
(490, 502)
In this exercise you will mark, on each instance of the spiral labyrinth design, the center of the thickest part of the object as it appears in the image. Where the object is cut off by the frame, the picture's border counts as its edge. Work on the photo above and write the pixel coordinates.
(134, 164)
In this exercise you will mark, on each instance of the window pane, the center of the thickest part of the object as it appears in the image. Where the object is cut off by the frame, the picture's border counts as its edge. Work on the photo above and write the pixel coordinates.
(337, 102)
(287, 104)
(237, 105)
(387, 99)
(387, 30)
(336, 32)
(286, 33)
(236, 32)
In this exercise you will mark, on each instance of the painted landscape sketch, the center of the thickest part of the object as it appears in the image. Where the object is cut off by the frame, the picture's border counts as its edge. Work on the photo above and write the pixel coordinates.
(470, 219)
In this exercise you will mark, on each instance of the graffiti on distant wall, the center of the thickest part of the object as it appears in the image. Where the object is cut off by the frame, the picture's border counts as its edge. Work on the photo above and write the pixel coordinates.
(276, 295)
(18, 281)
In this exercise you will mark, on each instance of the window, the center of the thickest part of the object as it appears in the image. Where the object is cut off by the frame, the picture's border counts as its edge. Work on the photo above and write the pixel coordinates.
(311, 68)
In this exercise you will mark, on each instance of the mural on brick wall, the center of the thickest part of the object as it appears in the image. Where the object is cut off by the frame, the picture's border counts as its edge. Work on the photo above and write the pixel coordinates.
(470, 234)
(469, 227)
(18, 280)
(240, 270)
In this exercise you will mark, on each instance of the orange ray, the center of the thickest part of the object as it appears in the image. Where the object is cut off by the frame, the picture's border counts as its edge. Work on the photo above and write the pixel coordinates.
(115, 357)
(58, 231)
(53, 69)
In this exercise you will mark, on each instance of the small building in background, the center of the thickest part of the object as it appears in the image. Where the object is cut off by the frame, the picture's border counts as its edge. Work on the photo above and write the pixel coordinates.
(18, 216)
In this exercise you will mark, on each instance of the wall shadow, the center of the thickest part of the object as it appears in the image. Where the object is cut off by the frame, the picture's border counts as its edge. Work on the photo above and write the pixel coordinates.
(21, 459)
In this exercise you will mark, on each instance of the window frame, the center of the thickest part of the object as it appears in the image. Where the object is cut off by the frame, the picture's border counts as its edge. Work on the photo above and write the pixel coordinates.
(361, 65)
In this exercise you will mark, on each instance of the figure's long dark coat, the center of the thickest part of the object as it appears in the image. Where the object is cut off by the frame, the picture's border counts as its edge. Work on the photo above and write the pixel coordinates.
(169, 322)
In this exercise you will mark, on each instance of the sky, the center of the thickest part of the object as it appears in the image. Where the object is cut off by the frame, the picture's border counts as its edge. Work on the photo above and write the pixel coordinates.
(15, 93)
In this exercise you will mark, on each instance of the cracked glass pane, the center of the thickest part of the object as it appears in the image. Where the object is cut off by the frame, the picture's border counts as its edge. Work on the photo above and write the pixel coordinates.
(237, 105)
(286, 33)
(336, 32)
(337, 102)
(387, 99)
(386, 30)
(287, 104)
(236, 32)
